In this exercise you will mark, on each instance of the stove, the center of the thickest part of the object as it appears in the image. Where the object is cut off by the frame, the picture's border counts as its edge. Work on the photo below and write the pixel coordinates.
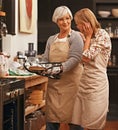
(11, 88)
(12, 104)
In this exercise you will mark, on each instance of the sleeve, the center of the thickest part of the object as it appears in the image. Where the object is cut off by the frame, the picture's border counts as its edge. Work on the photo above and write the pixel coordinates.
(75, 52)
(101, 43)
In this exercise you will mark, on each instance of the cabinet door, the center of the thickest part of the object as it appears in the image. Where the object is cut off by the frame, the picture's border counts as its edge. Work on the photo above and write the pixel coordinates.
(9, 8)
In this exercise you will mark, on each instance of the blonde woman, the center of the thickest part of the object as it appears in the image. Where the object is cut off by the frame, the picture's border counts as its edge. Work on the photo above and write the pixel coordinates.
(91, 105)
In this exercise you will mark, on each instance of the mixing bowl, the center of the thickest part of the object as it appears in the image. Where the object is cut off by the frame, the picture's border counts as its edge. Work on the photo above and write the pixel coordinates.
(104, 13)
(115, 12)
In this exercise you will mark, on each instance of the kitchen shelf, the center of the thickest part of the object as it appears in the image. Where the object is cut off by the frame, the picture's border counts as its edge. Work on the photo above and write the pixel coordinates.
(108, 5)
(105, 5)
(31, 109)
(106, 1)
(107, 18)
(32, 83)
(114, 38)
(112, 70)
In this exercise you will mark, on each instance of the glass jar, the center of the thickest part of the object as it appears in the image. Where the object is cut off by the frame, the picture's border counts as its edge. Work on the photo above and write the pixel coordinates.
(114, 60)
(116, 32)
(109, 29)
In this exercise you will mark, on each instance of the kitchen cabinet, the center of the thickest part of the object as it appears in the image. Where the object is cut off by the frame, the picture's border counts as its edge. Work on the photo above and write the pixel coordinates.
(8, 6)
(113, 93)
(33, 83)
(11, 104)
(33, 115)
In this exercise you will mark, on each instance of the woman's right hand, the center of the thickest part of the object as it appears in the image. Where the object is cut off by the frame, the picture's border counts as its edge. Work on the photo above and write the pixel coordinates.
(87, 30)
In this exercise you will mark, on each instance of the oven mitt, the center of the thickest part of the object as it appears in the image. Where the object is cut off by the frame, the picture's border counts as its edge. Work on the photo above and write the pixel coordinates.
(51, 70)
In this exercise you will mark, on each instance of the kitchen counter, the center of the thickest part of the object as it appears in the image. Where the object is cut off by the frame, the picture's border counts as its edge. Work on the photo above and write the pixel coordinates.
(33, 81)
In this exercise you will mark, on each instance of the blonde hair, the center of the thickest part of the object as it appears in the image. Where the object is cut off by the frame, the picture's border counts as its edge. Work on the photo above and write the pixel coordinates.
(59, 12)
(86, 15)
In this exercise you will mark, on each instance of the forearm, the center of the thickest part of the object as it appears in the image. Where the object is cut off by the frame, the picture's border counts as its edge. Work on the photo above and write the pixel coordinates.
(86, 47)
(87, 43)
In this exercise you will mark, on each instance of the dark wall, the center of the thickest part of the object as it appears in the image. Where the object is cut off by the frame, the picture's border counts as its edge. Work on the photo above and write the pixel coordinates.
(45, 11)
(46, 7)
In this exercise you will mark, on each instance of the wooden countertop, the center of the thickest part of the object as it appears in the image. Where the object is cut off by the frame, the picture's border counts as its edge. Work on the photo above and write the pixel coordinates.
(31, 80)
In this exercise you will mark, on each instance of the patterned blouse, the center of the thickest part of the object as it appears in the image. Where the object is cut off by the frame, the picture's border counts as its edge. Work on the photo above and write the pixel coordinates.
(101, 43)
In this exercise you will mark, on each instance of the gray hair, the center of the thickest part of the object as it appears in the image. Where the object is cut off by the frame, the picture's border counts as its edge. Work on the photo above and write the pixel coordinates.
(59, 12)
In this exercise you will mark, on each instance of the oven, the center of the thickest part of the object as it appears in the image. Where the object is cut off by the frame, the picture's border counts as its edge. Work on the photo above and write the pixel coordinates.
(12, 104)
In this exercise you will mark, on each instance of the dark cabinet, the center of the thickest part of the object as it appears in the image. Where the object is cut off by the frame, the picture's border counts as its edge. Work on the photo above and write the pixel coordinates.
(47, 8)
(9, 8)
(113, 93)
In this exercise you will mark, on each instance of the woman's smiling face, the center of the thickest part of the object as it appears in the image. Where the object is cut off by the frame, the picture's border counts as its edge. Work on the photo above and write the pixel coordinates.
(64, 23)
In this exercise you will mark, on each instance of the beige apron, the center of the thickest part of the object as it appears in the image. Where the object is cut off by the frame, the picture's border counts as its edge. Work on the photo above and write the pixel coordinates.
(61, 92)
(91, 105)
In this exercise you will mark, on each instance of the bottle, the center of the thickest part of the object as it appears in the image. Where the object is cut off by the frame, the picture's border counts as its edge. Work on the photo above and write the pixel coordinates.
(109, 29)
(116, 32)
(114, 60)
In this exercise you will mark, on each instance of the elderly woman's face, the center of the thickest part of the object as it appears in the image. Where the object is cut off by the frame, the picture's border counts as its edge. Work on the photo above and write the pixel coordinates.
(64, 22)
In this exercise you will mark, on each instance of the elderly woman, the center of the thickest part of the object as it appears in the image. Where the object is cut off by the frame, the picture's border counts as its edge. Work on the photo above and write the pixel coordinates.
(91, 105)
(66, 48)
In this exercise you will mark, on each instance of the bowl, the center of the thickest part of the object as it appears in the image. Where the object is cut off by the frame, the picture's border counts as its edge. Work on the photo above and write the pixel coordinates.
(104, 14)
(115, 12)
